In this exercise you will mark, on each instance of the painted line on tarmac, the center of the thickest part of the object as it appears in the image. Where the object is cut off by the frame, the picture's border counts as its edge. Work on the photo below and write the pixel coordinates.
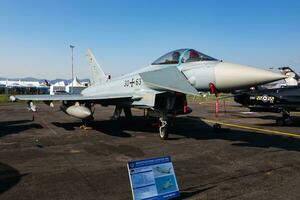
(295, 114)
(47, 125)
(206, 102)
(271, 132)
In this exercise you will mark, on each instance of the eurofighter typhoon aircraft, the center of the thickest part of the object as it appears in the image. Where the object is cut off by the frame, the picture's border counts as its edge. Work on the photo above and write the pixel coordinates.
(160, 88)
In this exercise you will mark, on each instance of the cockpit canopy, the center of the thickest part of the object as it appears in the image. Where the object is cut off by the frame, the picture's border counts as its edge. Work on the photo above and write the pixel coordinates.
(182, 56)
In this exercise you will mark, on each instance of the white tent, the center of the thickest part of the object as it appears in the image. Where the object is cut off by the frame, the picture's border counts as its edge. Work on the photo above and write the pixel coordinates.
(58, 87)
(75, 86)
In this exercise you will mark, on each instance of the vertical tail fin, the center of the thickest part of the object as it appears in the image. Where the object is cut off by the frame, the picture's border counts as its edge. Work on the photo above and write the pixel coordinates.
(97, 74)
(292, 79)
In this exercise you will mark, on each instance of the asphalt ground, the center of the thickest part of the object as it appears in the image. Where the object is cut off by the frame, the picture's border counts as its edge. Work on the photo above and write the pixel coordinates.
(52, 158)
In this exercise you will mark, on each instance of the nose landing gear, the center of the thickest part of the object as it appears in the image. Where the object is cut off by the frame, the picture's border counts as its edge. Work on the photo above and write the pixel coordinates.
(285, 119)
(163, 128)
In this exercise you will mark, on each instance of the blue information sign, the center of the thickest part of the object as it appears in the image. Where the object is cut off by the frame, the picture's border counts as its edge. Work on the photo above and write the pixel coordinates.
(153, 179)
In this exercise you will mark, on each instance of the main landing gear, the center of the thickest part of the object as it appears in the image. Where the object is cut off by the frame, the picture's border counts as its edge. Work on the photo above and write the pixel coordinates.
(163, 127)
(285, 119)
(86, 123)
(162, 119)
(118, 112)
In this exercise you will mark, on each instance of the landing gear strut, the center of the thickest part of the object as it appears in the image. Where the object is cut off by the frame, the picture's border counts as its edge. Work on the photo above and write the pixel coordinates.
(118, 111)
(85, 125)
(285, 119)
(163, 127)
(86, 122)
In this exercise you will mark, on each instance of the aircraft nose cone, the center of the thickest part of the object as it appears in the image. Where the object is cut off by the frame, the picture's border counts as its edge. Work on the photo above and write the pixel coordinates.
(233, 76)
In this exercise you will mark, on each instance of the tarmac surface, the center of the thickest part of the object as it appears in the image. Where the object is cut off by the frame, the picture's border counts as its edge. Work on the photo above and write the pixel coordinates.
(52, 158)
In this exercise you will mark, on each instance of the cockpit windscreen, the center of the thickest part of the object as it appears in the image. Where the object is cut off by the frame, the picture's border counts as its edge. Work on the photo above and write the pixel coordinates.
(187, 55)
(170, 58)
(195, 56)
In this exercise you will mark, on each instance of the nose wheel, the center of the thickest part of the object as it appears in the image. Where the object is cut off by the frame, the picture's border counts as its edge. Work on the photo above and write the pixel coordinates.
(163, 128)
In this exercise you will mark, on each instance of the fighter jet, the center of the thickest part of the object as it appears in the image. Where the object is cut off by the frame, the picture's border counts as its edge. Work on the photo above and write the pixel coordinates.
(280, 100)
(160, 88)
(292, 79)
(168, 184)
(162, 170)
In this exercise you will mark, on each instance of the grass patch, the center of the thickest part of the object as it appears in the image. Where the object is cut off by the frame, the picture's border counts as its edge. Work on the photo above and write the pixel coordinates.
(3, 98)
(211, 97)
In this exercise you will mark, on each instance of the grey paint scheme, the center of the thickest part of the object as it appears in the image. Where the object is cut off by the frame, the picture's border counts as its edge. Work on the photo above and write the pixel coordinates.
(97, 74)
(68, 97)
(168, 79)
(200, 74)
(156, 79)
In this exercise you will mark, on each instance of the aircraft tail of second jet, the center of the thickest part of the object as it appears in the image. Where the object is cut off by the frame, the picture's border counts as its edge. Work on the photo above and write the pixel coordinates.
(97, 74)
(293, 78)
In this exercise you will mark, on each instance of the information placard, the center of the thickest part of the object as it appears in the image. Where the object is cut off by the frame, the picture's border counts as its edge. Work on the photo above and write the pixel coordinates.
(153, 179)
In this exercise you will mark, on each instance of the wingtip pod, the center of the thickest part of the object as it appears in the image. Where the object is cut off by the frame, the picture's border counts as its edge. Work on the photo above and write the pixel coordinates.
(236, 76)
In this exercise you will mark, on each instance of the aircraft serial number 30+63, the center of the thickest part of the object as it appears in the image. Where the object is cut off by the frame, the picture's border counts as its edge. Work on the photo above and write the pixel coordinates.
(132, 82)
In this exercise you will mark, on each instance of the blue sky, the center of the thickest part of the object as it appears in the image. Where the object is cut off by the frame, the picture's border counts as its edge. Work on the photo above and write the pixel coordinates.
(128, 35)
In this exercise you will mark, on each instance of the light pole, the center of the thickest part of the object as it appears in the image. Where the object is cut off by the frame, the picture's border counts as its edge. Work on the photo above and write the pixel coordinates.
(72, 48)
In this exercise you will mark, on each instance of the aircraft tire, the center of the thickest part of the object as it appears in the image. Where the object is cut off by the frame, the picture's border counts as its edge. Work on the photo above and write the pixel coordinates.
(163, 128)
(217, 127)
(163, 133)
(280, 122)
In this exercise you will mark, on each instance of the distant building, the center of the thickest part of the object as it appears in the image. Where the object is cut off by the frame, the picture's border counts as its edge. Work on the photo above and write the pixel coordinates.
(23, 87)
(2, 88)
(58, 88)
(12, 87)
